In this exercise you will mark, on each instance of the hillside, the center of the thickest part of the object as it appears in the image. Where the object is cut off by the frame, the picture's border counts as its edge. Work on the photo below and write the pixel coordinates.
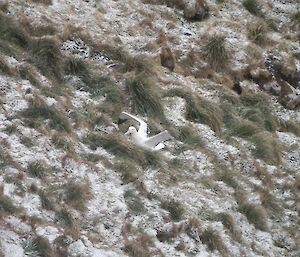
(222, 76)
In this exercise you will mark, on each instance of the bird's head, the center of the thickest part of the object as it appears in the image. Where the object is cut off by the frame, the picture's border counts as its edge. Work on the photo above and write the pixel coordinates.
(131, 131)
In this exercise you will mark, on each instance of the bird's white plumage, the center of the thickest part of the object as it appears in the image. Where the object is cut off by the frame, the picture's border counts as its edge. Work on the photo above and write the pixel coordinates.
(139, 136)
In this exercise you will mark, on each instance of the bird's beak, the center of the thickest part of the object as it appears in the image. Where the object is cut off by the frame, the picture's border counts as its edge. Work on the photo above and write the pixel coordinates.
(127, 133)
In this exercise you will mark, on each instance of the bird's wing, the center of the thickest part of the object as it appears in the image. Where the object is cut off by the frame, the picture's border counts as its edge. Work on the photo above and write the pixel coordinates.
(155, 140)
(140, 124)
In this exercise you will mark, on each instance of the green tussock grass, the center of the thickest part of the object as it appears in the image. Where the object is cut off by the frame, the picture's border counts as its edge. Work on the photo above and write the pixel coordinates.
(39, 111)
(77, 194)
(7, 206)
(198, 109)
(295, 18)
(128, 171)
(117, 145)
(145, 97)
(12, 32)
(27, 141)
(46, 201)
(229, 223)
(251, 118)
(37, 169)
(290, 126)
(45, 55)
(59, 140)
(133, 202)
(190, 136)
(228, 177)
(64, 218)
(27, 72)
(253, 6)
(94, 84)
(5, 159)
(45, 2)
(4, 67)
(256, 108)
(174, 208)
(267, 148)
(257, 32)
(213, 241)
(215, 50)
(255, 215)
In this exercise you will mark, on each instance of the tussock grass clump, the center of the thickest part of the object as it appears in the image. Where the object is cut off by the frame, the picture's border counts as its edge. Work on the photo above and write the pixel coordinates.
(290, 126)
(255, 215)
(174, 208)
(215, 50)
(17, 181)
(129, 172)
(37, 169)
(144, 96)
(12, 32)
(256, 108)
(91, 157)
(28, 73)
(38, 110)
(60, 141)
(253, 6)
(76, 66)
(133, 202)
(257, 31)
(244, 129)
(228, 222)
(64, 218)
(7, 206)
(190, 136)
(295, 18)
(267, 148)
(270, 202)
(11, 129)
(45, 54)
(116, 145)
(77, 194)
(127, 61)
(27, 141)
(94, 84)
(5, 158)
(104, 86)
(45, 2)
(4, 5)
(46, 202)
(42, 247)
(4, 67)
(213, 241)
(138, 247)
(200, 110)
(228, 177)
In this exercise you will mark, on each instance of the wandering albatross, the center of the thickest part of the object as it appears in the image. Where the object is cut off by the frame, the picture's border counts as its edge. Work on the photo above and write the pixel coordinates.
(139, 136)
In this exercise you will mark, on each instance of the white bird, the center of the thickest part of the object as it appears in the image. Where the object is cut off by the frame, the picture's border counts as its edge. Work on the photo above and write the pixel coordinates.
(139, 136)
